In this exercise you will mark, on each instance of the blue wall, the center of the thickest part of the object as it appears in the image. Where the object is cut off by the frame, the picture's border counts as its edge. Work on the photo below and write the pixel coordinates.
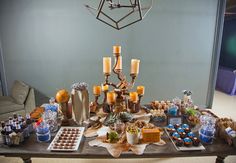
(51, 44)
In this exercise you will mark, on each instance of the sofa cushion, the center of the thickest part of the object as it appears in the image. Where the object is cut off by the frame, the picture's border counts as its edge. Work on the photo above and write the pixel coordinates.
(19, 92)
(7, 104)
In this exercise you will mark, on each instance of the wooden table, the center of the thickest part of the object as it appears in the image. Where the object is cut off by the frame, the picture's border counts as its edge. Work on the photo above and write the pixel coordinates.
(31, 148)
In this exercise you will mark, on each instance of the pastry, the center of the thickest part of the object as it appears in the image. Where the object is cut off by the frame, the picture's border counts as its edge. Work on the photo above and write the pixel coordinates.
(184, 126)
(175, 135)
(177, 126)
(196, 141)
(179, 142)
(172, 131)
(170, 127)
(183, 135)
(191, 135)
(180, 130)
(187, 142)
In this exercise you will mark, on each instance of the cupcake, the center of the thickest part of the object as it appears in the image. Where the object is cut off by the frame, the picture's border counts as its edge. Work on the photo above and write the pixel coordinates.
(187, 130)
(169, 127)
(183, 135)
(172, 131)
(191, 135)
(179, 142)
(175, 135)
(180, 130)
(184, 126)
(177, 126)
(187, 142)
(196, 141)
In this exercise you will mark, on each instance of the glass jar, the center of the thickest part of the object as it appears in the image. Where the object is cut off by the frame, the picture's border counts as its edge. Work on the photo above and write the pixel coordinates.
(207, 130)
(51, 118)
(43, 132)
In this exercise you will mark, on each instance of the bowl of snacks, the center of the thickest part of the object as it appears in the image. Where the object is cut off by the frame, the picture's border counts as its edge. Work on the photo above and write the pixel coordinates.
(112, 137)
(132, 134)
(192, 116)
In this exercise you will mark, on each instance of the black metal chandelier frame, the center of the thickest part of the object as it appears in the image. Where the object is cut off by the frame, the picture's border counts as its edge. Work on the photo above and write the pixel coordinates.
(135, 5)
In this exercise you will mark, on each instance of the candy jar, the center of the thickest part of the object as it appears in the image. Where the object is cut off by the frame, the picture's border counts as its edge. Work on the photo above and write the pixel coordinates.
(50, 117)
(207, 130)
(43, 132)
(173, 110)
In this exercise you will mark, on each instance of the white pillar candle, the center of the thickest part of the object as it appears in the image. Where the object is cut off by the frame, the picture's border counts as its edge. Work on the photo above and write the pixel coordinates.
(134, 66)
(107, 65)
(117, 49)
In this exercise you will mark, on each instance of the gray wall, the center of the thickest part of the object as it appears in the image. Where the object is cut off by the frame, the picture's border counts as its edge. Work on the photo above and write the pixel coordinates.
(51, 44)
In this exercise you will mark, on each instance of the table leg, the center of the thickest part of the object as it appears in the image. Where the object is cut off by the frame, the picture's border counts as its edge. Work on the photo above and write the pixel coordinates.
(220, 159)
(26, 159)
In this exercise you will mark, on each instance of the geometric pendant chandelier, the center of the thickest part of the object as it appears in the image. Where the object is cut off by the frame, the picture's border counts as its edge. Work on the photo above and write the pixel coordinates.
(120, 13)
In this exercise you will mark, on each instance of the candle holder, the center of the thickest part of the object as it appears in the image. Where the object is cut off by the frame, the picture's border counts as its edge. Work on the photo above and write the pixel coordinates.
(93, 106)
(96, 99)
(132, 106)
(138, 106)
(64, 109)
(122, 87)
(111, 107)
(106, 107)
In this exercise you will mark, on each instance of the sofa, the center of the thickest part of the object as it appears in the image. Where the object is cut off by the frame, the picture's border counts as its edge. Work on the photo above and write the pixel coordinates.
(20, 101)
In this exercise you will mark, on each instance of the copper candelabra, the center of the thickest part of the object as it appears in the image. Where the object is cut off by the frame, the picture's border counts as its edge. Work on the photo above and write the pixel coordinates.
(121, 89)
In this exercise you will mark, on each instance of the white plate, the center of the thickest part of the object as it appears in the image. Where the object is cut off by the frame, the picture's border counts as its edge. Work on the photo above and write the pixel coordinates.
(77, 143)
(192, 148)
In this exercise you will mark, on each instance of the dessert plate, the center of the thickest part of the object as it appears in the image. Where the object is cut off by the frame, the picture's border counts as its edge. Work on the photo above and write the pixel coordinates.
(67, 139)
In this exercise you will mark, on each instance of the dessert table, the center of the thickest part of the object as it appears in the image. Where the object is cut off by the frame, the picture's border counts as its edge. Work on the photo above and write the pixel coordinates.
(31, 148)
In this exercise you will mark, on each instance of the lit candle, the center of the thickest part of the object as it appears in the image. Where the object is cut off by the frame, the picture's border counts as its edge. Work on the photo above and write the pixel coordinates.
(111, 97)
(119, 63)
(97, 90)
(105, 87)
(134, 66)
(107, 65)
(133, 96)
(116, 49)
(140, 90)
